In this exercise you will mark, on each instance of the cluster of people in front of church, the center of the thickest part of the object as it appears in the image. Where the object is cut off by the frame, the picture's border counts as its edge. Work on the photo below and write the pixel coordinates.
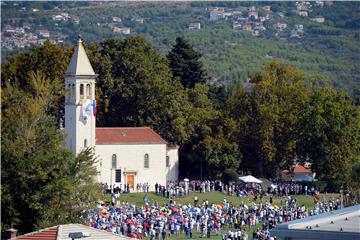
(226, 220)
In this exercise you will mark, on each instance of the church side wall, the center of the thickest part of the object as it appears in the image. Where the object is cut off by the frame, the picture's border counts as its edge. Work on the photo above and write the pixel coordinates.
(130, 159)
(173, 169)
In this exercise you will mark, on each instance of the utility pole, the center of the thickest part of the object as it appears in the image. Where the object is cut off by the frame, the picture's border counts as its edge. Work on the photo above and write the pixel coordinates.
(342, 196)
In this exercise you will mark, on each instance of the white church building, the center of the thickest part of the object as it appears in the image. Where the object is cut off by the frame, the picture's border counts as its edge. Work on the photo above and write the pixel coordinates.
(128, 155)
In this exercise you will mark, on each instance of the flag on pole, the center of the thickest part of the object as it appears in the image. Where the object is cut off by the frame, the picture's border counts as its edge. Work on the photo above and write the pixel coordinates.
(94, 107)
(88, 108)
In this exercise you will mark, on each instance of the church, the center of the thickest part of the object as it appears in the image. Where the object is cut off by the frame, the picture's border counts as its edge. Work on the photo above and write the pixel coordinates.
(131, 155)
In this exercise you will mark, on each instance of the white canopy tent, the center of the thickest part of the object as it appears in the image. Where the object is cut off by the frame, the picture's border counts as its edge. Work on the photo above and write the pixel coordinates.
(250, 179)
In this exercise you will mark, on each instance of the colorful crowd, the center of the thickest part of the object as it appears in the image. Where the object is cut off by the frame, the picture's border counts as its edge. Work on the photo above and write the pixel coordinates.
(200, 219)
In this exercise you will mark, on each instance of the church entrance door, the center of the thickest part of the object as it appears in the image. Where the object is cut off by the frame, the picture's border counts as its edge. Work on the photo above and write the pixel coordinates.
(130, 181)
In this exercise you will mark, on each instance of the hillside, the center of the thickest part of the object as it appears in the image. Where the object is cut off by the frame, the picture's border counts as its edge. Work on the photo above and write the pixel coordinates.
(235, 38)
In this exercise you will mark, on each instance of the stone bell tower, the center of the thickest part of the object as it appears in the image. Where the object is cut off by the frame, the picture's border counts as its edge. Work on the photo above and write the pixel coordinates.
(80, 104)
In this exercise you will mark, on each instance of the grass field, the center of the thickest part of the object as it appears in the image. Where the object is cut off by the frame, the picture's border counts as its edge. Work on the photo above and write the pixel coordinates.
(213, 197)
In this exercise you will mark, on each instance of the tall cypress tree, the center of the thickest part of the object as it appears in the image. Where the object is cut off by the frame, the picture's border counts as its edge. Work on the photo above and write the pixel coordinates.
(185, 63)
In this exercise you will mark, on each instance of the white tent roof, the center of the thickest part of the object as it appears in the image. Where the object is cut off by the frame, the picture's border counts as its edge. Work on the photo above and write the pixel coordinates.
(79, 63)
(250, 179)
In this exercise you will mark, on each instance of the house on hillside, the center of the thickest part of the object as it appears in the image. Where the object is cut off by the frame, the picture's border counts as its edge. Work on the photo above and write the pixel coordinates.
(196, 25)
(217, 14)
(266, 8)
(116, 19)
(236, 25)
(280, 26)
(319, 19)
(43, 32)
(253, 14)
(247, 27)
(125, 31)
(302, 13)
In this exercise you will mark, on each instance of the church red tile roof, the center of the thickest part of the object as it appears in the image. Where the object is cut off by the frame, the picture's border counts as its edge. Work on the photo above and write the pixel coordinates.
(128, 135)
(44, 234)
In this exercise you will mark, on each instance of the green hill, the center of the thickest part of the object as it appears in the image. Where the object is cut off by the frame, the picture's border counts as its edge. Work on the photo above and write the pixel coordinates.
(328, 50)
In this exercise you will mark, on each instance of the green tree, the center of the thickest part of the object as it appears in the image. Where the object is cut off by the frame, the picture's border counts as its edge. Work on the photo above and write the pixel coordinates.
(43, 184)
(185, 64)
(268, 118)
(136, 88)
(330, 134)
(48, 58)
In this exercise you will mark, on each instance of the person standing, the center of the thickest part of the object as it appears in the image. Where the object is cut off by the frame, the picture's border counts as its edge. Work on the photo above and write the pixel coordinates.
(163, 233)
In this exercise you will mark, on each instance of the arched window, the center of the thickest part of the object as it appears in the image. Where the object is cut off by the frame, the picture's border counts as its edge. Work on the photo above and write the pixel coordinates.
(81, 90)
(146, 161)
(167, 161)
(113, 161)
(85, 143)
(87, 90)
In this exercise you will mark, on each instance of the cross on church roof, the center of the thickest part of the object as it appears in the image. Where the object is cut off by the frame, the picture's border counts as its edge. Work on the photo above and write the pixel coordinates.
(80, 64)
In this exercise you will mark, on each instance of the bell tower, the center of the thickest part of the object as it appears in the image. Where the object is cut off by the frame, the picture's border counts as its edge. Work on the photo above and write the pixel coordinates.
(80, 104)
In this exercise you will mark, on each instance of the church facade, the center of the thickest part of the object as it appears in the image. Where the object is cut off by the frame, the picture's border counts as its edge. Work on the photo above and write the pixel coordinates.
(135, 155)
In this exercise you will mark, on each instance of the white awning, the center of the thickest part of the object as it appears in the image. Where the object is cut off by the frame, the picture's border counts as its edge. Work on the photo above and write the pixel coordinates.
(250, 179)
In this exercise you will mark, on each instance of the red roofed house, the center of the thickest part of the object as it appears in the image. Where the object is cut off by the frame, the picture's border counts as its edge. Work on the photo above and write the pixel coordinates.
(298, 173)
(126, 155)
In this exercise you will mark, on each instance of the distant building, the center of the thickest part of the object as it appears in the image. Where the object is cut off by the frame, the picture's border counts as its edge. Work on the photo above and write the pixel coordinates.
(254, 14)
(302, 13)
(259, 26)
(237, 13)
(297, 172)
(294, 34)
(139, 20)
(280, 26)
(65, 15)
(57, 18)
(43, 32)
(252, 8)
(299, 27)
(328, 3)
(255, 33)
(319, 19)
(196, 25)
(124, 31)
(266, 8)
(217, 14)
(76, 20)
(226, 15)
(247, 27)
(281, 14)
(319, 3)
(236, 25)
(116, 19)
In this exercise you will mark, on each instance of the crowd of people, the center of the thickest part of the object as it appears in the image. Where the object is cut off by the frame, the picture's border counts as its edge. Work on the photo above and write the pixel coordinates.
(228, 221)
